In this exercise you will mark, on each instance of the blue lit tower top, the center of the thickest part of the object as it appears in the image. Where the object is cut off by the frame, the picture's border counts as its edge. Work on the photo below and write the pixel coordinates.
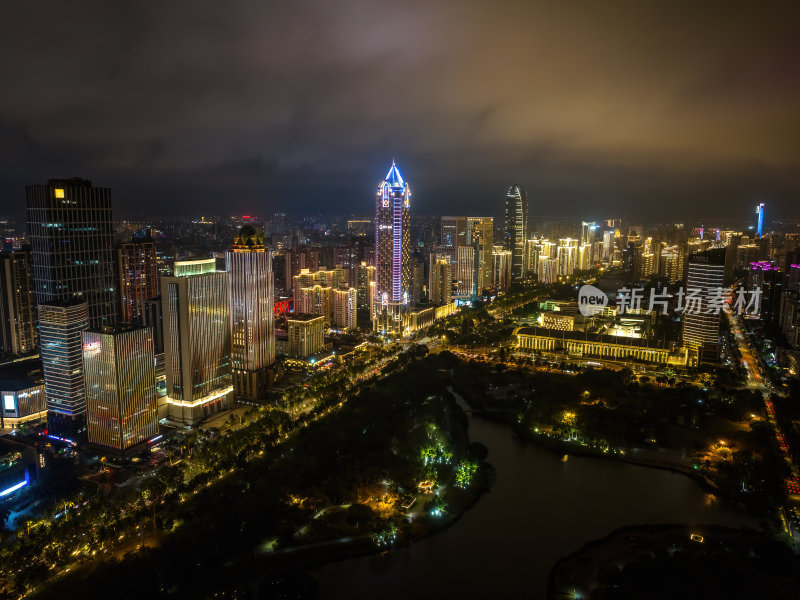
(392, 244)
(760, 213)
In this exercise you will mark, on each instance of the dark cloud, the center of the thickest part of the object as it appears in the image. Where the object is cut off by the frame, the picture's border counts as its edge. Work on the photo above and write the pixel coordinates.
(625, 107)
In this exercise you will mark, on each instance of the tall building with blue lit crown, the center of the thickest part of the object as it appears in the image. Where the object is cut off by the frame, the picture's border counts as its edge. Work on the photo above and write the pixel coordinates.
(392, 252)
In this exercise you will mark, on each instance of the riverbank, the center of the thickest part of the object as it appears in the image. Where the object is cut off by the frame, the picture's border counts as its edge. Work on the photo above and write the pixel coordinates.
(676, 561)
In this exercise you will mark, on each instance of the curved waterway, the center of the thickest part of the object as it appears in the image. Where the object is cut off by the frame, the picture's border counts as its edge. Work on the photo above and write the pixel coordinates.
(539, 510)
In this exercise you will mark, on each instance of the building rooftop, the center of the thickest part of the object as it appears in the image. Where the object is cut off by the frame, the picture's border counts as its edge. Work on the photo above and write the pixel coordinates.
(582, 336)
(21, 374)
(305, 317)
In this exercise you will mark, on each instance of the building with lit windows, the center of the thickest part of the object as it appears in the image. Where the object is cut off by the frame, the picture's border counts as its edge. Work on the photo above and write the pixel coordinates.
(252, 293)
(453, 233)
(706, 271)
(516, 232)
(197, 341)
(345, 308)
(365, 276)
(17, 320)
(671, 265)
(567, 256)
(501, 268)
(61, 324)
(22, 393)
(392, 252)
(465, 273)
(480, 236)
(440, 284)
(120, 380)
(137, 269)
(72, 252)
(306, 335)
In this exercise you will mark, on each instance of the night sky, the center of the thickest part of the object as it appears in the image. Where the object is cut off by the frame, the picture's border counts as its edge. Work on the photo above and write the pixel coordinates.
(598, 108)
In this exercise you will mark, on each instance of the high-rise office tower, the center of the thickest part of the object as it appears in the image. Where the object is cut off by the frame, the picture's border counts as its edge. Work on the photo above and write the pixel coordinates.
(588, 231)
(516, 227)
(453, 233)
(17, 321)
(706, 272)
(120, 379)
(197, 340)
(252, 294)
(760, 224)
(60, 326)
(440, 285)
(72, 253)
(465, 271)
(137, 268)
(392, 251)
(480, 235)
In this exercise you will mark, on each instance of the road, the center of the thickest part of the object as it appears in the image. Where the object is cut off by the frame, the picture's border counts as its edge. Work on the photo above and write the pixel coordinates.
(756, 381)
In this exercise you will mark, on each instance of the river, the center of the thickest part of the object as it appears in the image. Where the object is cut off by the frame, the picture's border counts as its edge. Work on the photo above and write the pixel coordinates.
(539, 510)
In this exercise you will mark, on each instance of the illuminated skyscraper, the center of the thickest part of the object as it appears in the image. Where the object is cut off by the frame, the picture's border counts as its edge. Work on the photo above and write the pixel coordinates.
(345, 308)
(197, 340)
(440, 286)
(465, 272)
(17, 322)
(706, 272)
(453, 234)
(501, 268)
(480, 235)
(60, 326)
(137, 269)
(760, 213)
(365, 275)
(120, 378)
(392, 251)
(516, 227)
(72, 253)
(249, 264)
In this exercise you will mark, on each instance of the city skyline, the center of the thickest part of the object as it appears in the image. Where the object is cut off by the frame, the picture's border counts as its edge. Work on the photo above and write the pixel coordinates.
(237, 363)
(693, 128)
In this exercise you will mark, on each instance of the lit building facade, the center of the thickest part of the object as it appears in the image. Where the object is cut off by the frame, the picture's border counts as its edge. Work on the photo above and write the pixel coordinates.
(480, 236)
(365, 276)
(345, 308)
(252, 292)
(501, 268)
(306, 335)
(197, 341)
(440, 279)
(137, 268)
(72, 252)
(516, 227)
(17, 321)
(120, 379)
(465, 272)
(61, 324)
(706, 271)
(392, 252)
